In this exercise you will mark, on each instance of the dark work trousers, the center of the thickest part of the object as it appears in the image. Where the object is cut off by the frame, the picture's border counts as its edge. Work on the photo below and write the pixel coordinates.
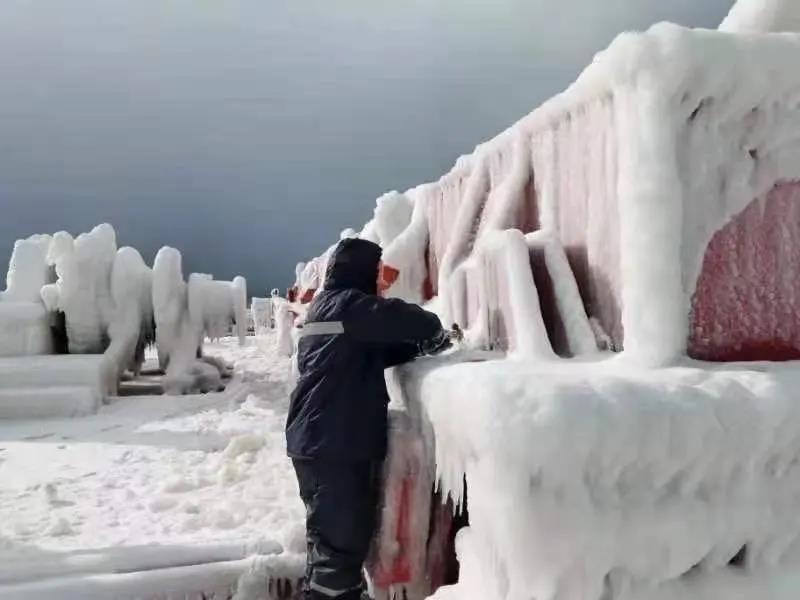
(341, 513)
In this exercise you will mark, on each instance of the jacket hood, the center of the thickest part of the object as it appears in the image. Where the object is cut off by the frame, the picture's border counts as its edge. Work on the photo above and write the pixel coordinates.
(354, 265)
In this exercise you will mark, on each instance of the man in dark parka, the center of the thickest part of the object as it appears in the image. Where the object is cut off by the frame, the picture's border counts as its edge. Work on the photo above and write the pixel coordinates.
(336, 430)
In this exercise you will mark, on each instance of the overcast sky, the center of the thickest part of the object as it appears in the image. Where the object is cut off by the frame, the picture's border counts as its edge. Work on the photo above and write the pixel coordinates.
(248, 133)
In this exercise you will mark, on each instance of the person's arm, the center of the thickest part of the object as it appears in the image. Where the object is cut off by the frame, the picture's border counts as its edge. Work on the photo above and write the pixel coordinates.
(405, 352)
(399, 354)
(391, 322)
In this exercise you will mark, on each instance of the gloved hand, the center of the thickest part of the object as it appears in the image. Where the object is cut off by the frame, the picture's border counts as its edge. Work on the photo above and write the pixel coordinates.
(456, 333)
(437, 344)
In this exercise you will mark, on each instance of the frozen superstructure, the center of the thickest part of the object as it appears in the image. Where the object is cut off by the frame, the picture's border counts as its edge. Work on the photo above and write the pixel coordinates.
(663, 141)
(651, 209)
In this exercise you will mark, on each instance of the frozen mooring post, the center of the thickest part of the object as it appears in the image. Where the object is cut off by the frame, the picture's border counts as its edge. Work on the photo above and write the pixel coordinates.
(645, 217)
(67, 297)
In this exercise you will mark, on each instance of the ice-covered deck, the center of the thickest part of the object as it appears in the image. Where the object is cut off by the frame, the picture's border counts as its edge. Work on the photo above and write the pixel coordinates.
(154, 496)
(63, 385)
(595, 478)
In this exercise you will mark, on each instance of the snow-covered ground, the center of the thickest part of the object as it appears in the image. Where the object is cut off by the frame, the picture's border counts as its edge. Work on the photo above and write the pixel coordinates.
(152, 482)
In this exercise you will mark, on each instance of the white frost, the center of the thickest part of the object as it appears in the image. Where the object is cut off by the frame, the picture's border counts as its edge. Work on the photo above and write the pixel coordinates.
(763, 16)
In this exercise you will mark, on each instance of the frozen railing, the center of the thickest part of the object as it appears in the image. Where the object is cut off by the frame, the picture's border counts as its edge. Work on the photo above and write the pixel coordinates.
(563, 312)
(658, 145)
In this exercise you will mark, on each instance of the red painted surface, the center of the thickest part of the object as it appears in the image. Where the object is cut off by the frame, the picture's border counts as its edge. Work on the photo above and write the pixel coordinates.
(746, 305)
(387, 276)
(400, 570)
(441, 566)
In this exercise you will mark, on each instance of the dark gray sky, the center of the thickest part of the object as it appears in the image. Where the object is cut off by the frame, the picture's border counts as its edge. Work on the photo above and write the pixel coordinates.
(248, 133)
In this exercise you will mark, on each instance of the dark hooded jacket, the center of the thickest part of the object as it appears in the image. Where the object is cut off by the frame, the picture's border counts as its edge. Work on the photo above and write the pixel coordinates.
(338, 408)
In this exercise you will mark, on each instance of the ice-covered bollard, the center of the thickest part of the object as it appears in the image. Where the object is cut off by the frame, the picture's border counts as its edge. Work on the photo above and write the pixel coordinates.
(214, 305)
(261, 311)
(170, 306)
(284, 321)
(24, 323)
(28, 270)
(83, 289)
(185, 314)
(131, 326)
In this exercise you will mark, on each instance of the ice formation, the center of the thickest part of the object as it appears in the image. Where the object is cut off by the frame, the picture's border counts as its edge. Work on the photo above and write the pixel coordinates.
(759, 16)
(688, 127)
(28, 270)
(261, 311)
(24, 329)
(369, 232)
(665, 473)
(214, 305)
(53, 386)
(312, 276)
(648, 209)
(404, 244)
(170, 306)
(392, 215)
(110, 302)
(186, 313)
(83, 289)
(24, 323)
(131, 326)
(298, 270)
(284, 323)
(570, 330)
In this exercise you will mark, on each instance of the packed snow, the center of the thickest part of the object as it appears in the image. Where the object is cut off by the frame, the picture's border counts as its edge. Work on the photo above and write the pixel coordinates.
(154, 482)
